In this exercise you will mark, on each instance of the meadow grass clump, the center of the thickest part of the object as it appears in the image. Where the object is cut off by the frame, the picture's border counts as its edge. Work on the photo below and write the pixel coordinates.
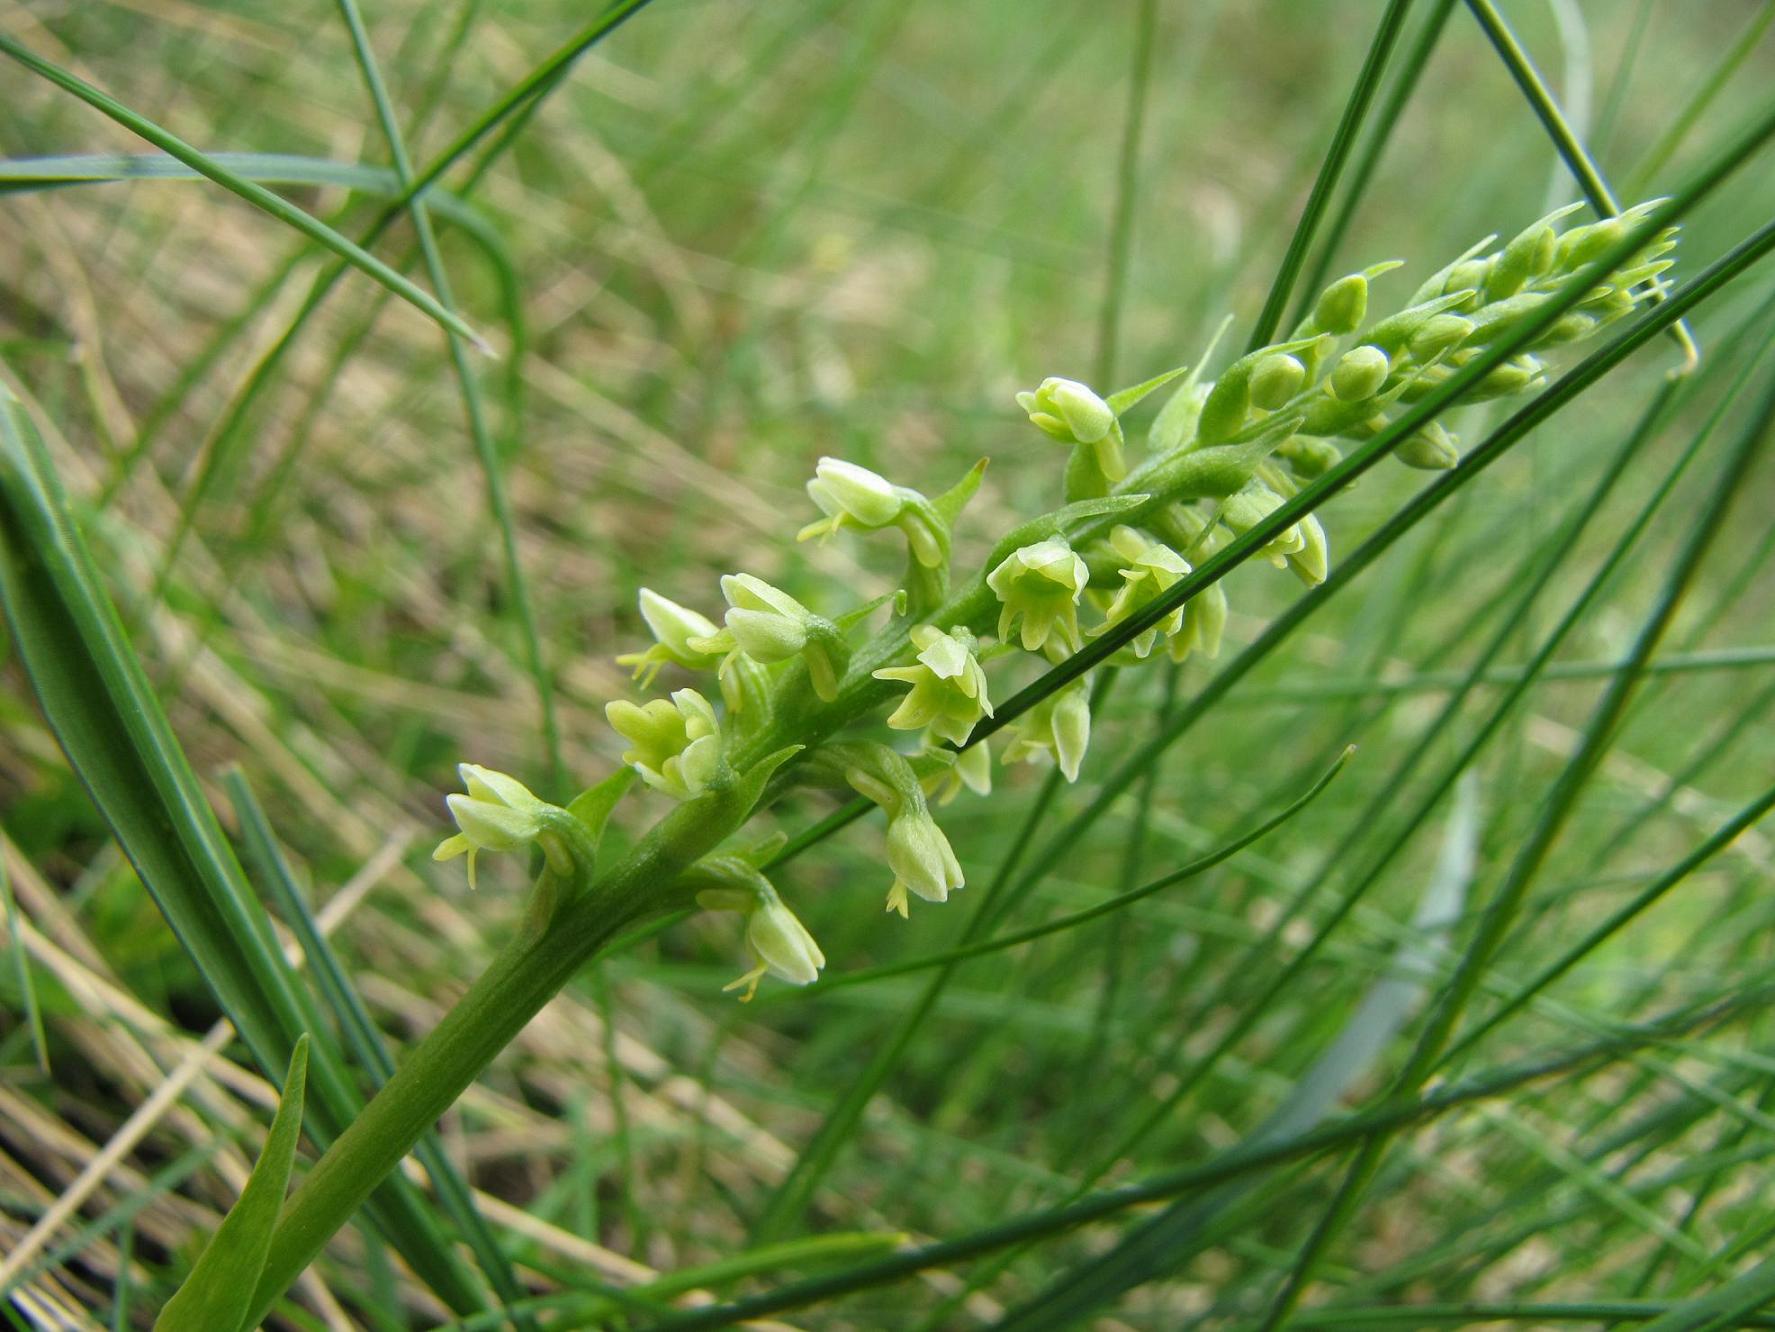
(1377, 946)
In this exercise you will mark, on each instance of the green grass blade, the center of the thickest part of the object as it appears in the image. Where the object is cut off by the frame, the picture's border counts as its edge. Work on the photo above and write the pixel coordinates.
(1578, 161)
(284, 211)
(359, 1029)
(1331, 166)
(21, 964)
(104, 712)
(215, 1296)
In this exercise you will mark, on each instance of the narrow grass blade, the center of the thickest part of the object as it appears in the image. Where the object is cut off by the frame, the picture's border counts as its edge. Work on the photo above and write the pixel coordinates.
(360, 1033)
(215, 1296)
(257, 195)
(22, 967)
(104, 712)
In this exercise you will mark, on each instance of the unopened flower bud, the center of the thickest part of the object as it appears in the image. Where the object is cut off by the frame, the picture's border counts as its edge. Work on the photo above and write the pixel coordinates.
(1431, 449)
(1309, 456)
(1525, 258)
(1585, 245)
(1438, 334)
(1276, 379)
(1360, 373)
(1342, 306)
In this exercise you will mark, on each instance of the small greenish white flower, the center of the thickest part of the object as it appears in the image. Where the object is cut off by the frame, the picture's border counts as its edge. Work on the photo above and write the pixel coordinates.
(1204, 621)
(779, 943)
(970, 768)
(921, 858)
(497, 813)
(769, 625)
(676, 745)
(1149, 568)
(1075, 413)
(1057, 729)
(850, 496)
(948, 687)
(674, 629)
(1041, 584)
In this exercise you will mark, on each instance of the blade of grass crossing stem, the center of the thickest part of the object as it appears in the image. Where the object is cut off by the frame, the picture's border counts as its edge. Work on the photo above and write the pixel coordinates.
(359, 1030)
(103, 710)
(349, 252)
(1368, 81)
(1597, 736)
(473, 410)
(1578, 161)
(214, 1295)
(1411, 69)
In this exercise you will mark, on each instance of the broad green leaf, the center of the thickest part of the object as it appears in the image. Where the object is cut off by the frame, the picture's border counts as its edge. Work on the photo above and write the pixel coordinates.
(214, 1297)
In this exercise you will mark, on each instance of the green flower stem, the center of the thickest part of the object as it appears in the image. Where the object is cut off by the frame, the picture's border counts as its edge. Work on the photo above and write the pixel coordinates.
(522, 978)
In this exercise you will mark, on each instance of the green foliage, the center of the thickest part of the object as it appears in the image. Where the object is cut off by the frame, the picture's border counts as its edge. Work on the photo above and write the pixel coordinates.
(216, 1294)
(1181, 1030)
